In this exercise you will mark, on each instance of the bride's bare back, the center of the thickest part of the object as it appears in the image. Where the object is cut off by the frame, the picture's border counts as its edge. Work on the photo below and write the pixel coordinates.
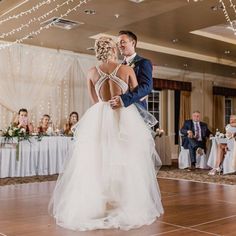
(109, 88)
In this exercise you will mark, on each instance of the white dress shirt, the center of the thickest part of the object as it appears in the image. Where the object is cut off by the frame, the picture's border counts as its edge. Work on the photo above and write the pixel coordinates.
(129, 59)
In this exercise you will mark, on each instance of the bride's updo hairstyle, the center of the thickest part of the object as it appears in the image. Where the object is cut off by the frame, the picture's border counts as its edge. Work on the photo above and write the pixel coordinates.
(104, 48)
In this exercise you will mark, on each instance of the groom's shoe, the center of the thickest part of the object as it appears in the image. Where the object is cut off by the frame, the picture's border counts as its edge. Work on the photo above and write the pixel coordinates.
(192, 168)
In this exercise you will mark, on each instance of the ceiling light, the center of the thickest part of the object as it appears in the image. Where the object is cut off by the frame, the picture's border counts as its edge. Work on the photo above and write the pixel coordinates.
(217, 7)
(227, 52)
(30, 37)
(90, 49)
(185, 65)
(62, 23)
(90, 12)
(136, 1)
(117, 16)
(175, 40)
(194, 0)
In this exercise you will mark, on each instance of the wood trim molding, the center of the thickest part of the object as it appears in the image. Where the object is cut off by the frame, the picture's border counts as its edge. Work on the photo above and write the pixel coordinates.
(217, 90)
(171, 85)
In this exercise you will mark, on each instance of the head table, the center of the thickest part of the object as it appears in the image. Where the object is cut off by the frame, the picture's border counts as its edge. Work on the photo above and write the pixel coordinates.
(34, 156)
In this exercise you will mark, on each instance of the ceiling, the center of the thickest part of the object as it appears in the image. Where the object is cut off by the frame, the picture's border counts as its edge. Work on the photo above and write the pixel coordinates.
(157, 24)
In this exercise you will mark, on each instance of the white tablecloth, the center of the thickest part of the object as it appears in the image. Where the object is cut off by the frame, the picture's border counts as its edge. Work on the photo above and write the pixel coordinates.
(45, 157)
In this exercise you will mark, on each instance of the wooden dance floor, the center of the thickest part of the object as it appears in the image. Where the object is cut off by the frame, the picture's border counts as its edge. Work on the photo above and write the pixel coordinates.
(190, 209)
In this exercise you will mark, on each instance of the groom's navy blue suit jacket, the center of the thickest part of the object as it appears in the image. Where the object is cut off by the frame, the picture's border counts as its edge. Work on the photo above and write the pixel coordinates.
(143, 71)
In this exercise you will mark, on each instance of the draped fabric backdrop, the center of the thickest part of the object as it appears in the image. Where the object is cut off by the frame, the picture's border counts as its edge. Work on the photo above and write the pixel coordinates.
(45, 81)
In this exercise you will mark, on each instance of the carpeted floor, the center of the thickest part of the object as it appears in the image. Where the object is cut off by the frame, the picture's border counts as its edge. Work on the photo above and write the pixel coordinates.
(198, 175)
(169, 172)
(30, 179)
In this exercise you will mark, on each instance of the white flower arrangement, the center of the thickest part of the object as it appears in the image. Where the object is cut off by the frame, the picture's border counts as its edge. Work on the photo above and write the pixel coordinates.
(217, 133)
(22, 131)
(15, 132)
(132, 65)
(221, 135)
(159, 132)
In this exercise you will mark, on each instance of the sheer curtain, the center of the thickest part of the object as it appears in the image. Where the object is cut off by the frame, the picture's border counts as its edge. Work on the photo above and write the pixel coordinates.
(28, 74)
(44, 81)
(185, 107)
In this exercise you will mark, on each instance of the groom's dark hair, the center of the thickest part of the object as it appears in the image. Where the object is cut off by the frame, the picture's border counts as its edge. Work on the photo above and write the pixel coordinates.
(130, 35)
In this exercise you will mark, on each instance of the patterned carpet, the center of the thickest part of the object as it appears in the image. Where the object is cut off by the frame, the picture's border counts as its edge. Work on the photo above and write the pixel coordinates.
(197, 175)
(171, 172)
(30, 179)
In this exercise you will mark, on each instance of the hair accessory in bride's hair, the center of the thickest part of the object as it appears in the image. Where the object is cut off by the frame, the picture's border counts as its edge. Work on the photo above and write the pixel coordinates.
(103, 48)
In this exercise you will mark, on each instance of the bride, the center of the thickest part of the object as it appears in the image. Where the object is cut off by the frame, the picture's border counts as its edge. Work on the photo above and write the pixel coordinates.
(109, 180)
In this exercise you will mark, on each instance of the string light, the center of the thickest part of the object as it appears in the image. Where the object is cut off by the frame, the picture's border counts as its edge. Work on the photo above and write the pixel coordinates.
(32, 33)
(227, 17)
(232, 27)
(233, 6)
(194, 0)
(24, 13)
(66, 101)
(4, 35)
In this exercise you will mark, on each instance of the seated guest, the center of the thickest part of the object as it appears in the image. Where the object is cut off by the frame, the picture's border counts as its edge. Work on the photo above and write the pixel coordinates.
(73, 119)
(21, 121)
(44, 124)
(194, 134)
(222, 148)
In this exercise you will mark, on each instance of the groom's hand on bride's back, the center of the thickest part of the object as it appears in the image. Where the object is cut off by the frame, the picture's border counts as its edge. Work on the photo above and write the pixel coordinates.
(115, 102)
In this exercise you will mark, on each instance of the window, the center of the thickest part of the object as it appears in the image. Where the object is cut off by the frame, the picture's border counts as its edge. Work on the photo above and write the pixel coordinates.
(228, 109)
(154, 105)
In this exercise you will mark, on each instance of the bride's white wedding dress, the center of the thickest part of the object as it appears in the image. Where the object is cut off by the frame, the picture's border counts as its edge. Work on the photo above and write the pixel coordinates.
(110, 179)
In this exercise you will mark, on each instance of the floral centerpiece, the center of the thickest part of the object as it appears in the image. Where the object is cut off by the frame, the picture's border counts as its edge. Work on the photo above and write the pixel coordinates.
(218, 134)
(133, 62)
(19, 134)
(227, 134)
(12, 132)
(159, 133)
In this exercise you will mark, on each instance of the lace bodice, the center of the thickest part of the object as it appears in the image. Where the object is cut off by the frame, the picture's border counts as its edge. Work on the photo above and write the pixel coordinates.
(112, 76)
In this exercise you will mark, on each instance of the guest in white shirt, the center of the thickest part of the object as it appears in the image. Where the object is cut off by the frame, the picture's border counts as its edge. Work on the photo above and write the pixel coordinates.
(222, 147)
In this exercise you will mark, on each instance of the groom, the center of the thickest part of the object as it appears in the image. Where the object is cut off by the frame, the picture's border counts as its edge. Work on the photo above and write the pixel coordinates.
(142, 67)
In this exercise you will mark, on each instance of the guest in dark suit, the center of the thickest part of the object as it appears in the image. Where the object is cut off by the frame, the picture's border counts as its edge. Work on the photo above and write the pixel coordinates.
(194, 136)
(142, 67)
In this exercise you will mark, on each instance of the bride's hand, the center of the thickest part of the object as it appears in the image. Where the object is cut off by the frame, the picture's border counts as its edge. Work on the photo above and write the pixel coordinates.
(115, 102)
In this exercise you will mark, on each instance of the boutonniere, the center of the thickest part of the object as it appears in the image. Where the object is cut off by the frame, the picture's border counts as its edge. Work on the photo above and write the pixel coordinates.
(133, 63)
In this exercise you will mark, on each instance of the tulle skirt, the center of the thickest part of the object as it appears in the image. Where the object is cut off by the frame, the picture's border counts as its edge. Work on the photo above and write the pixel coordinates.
(109, 180)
